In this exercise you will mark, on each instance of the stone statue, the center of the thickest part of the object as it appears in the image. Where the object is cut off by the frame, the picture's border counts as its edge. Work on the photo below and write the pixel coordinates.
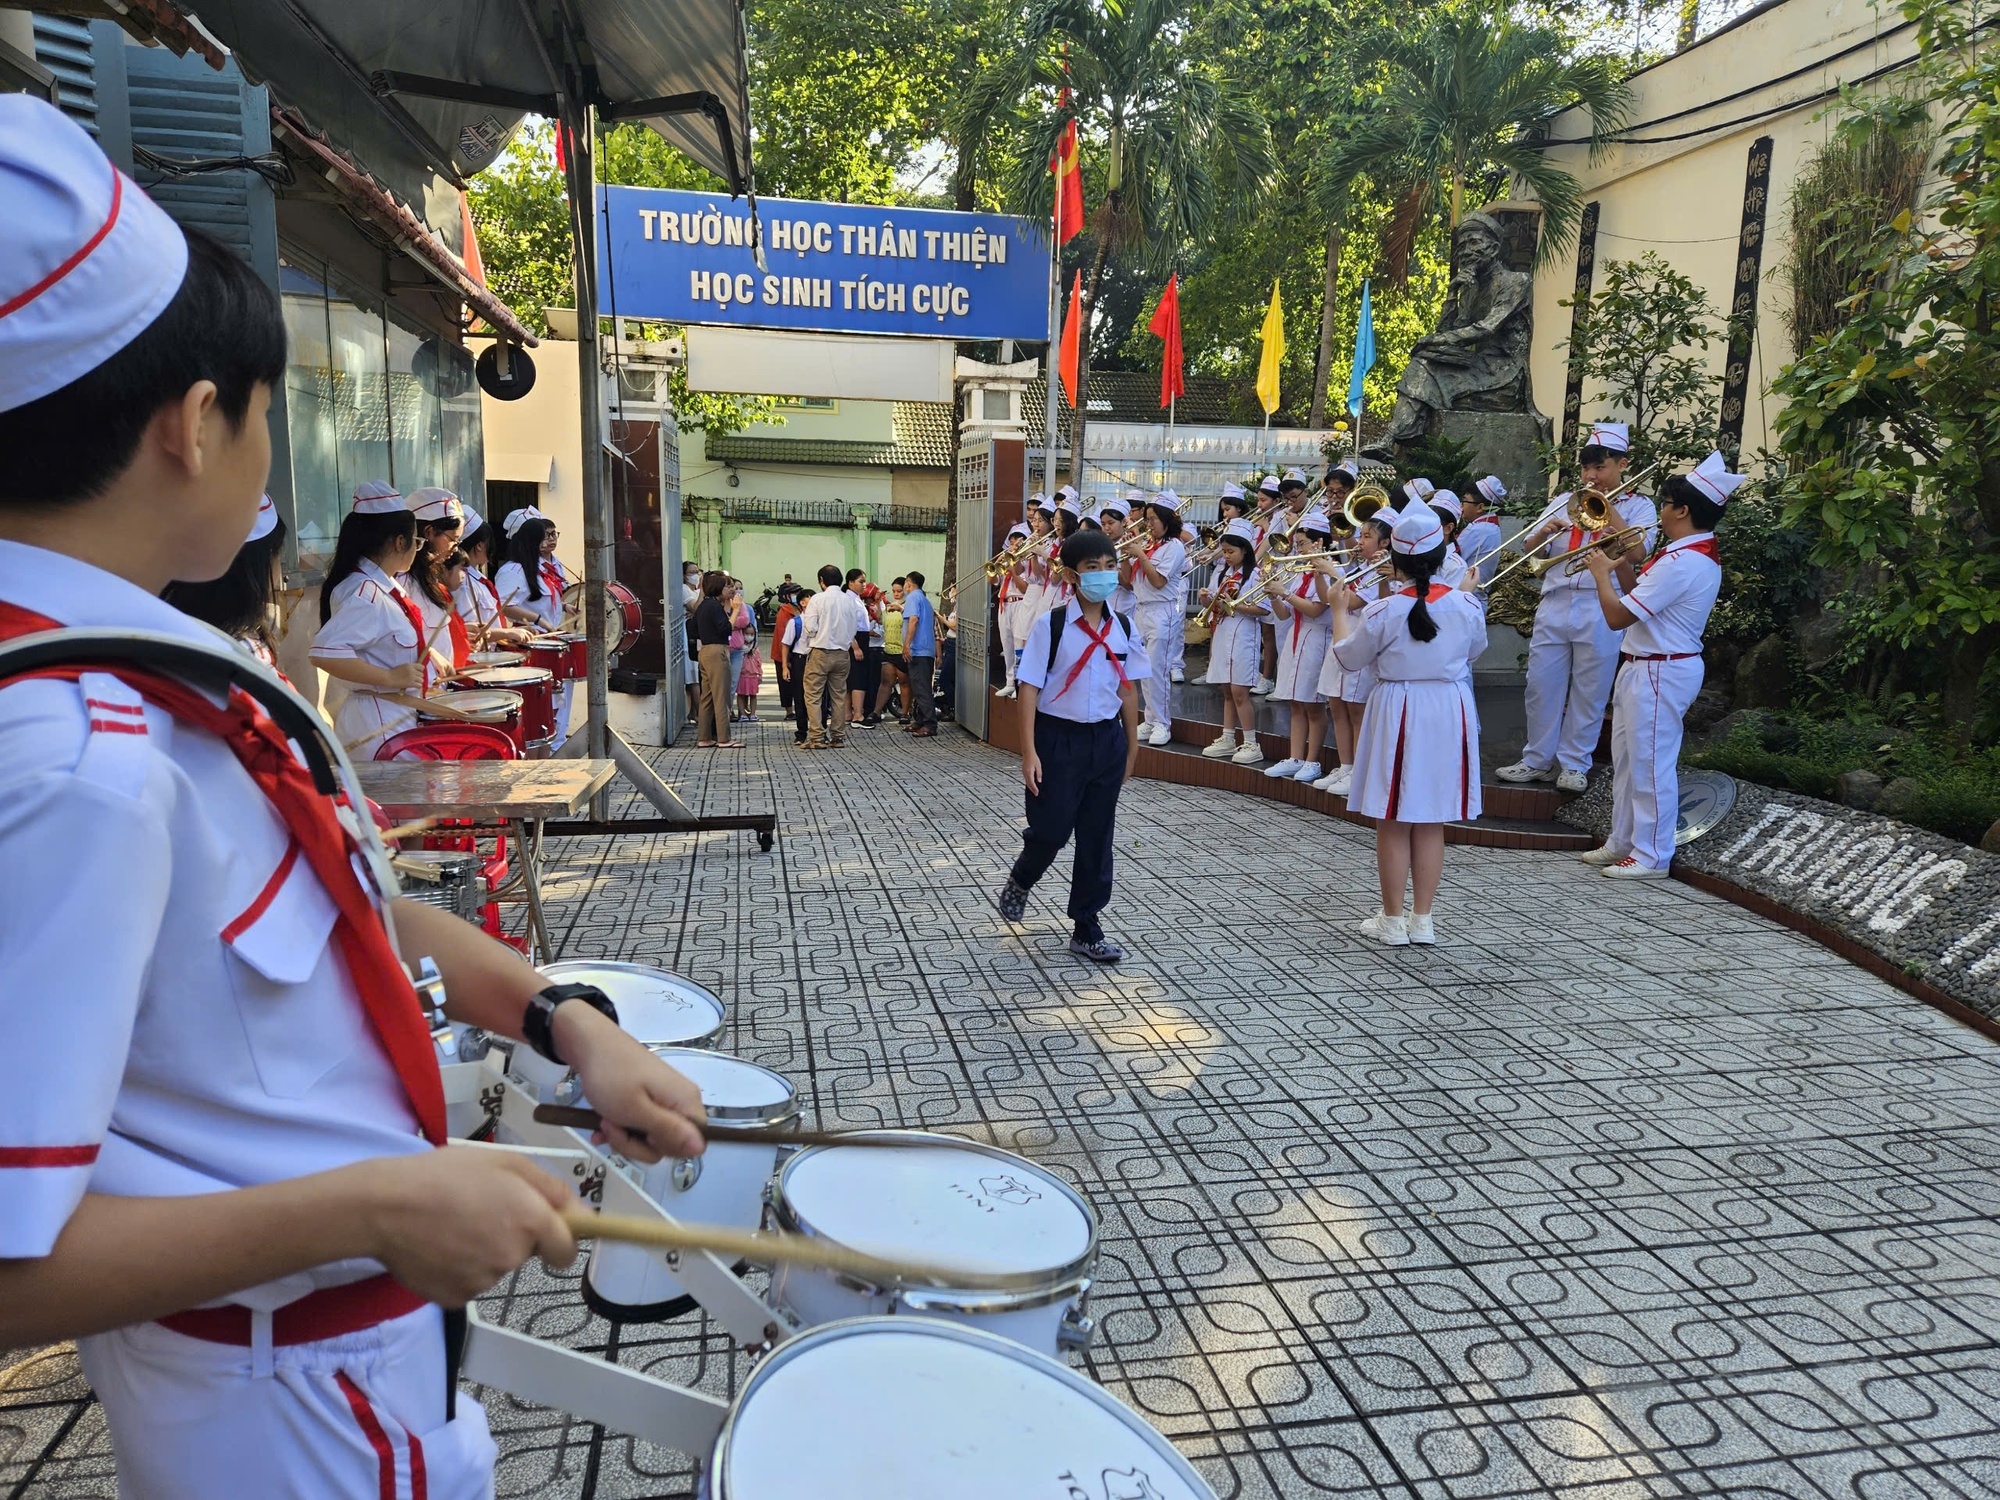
(1478, 358)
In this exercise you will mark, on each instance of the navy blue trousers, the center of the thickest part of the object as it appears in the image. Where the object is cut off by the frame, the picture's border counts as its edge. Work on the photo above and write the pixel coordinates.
(1083, 768)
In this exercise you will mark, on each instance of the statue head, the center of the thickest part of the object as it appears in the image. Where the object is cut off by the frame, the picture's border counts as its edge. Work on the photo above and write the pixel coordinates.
(1475, 243)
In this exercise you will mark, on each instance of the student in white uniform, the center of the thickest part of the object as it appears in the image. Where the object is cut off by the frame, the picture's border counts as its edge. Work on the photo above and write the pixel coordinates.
(217, 1163)
(1304, 626)
(477, 596)
(1346, 692)
(531, 584)
(1478, 540)
(1234, 642)
(1341, 479)
(1663, 615)
(1416, 764)
(1008, 599)
(1158, 574)
(1179, 530)
(1035, 568)
(370, 642)
(1114, 519)
(1452, 572)
(1057, 590)
(1573, 654)
(1270, 515)
(440, 520)
(242, 603)
(1078, 671)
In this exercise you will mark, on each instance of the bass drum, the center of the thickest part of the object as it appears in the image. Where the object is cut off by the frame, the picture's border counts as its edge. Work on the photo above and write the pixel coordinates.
(623, 618)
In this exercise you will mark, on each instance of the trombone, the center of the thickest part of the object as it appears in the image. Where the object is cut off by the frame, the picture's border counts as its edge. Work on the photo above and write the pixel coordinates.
(1282, 570)
(1004, 561)
(1588, 510)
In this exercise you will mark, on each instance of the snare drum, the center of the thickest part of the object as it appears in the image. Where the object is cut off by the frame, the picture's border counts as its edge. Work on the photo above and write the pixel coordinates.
(958, 1204)
(661, 1009)
(495, 659)
(910, 1409)
(551, 654)
(495, 706)
(623, 619)
(724, 1185)
(538, 701)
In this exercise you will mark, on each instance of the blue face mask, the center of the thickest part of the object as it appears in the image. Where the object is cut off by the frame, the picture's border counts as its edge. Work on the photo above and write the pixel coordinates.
(1097, 586)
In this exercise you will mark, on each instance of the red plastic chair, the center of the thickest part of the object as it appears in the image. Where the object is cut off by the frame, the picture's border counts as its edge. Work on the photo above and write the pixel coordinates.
(448, 742)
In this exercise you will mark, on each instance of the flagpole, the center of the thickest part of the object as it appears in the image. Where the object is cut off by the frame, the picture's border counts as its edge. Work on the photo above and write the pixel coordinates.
(1169, 469)
(1055, 337)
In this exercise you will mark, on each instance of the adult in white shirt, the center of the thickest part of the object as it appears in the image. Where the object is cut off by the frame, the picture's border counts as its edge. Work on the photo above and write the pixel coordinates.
(1663, 616)
(829, 626)
(1573, 653)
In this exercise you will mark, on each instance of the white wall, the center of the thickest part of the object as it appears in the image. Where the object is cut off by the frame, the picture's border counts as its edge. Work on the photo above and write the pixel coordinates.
(548, 420)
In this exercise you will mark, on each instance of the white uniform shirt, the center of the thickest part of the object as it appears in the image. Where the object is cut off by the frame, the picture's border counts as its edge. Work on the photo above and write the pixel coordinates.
(1452, 570)
(793, 638)
(1095, 695)
(512, 581)
(1479, 544)
(1673, 598)
(1633, 510)
(478, 600)
(1171, 558)
(1382, 639)
(829, 621)
(371, 624)
(193, 1027)
(437, 617)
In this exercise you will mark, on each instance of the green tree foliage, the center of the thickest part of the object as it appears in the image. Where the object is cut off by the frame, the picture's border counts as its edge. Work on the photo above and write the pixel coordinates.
(1891, 434)
(1642, 341)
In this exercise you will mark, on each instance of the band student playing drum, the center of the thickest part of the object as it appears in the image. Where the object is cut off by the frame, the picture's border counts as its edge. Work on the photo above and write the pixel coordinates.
(219, 1108)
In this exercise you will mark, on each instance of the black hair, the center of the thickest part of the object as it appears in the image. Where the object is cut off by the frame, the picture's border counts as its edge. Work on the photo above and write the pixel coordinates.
(914, 578)
(362, 535)
(1324, 533)
(1170, 519)
(894, 581)
(712, 584)
(805, 594)
(829, 577)
(224, 325)
(1597, 453)
(1383, 529)
(1089, 523)
(1086, 546)
(1066, 525)
(1418, 568)
(1249, 552)
(1447, 520)
(1036, 510)
(239, 602)
(480, 536)
(525, 547)
(429, 573)
(1704, 512)
(1241, 502)
(1341, 477)
(429, 530)
(854, 573)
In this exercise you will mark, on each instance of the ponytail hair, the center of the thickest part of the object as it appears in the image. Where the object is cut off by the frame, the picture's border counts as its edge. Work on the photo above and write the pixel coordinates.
(525, 547)
(239, 602)
(362, 536)
(429, 571)
(1418, 568)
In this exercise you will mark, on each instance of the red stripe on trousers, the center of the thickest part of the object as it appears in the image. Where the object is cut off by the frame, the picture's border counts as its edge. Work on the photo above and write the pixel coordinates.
(1464, 765)
(371, 1428)
(1396, 766)
(47, 1156)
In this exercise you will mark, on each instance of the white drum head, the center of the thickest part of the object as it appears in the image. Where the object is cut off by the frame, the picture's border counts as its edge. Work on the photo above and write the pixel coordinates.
(732, 1089)
(959, 1205)
(659, 1008)
(912, 1409)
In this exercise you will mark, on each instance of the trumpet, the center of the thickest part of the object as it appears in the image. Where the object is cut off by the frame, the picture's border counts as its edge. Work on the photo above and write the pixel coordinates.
(1280, 572)
(1614, 544)
(1004, 561)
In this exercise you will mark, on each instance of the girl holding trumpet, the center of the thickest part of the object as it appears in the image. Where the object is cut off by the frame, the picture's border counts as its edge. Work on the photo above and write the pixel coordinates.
(1009, 598)
(1366, 578)
(1304, 630)
(1234, 642)
(1153, 570)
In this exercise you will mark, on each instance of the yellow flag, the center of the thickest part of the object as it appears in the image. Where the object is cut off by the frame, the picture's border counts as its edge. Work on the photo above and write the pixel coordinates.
(1274, 354)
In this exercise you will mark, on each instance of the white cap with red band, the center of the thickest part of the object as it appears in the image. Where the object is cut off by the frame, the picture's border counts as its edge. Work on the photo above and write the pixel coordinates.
(1417, 530)
(1232, 491)
(436, 503)
(374, 498)
(88, 261)
(1447, 502)
(1242, 531)
(266, 522)
(1613, 437)
(1492, 489)
(520, 518)
(1712, 477)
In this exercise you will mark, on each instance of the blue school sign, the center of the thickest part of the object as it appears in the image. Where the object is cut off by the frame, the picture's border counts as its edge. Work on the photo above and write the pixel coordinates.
(676, 257)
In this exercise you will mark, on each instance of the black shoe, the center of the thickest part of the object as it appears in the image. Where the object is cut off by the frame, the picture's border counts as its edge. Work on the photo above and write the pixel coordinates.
(1012, 900)
(1098, 950)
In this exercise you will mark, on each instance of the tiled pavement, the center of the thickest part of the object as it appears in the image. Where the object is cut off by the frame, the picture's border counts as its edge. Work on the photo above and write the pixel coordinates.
(1617, 1192)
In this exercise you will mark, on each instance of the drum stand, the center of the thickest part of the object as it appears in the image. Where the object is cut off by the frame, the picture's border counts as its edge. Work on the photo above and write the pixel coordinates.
(675, 815)
(621, 1399)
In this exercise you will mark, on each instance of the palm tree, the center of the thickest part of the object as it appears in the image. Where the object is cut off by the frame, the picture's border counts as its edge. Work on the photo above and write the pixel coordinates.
(1182, 148)
(1466, 99)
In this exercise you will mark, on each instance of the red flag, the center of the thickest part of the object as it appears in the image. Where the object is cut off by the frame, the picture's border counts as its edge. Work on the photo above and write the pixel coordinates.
(1166, 326)
(1069, 181)
(1071, 332)
(475, 263)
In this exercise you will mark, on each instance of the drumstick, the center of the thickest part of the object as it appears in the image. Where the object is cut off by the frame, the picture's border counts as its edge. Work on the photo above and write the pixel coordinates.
(765, 1247)
(408, 830)
(590, 1119)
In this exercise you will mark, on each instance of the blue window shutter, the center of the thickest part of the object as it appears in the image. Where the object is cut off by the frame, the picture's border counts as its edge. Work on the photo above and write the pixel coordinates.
(63, 46)
(182, 108)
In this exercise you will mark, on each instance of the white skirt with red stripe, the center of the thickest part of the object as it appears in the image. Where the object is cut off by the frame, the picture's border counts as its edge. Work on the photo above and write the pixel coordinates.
(1300, 662)
(1416, 758)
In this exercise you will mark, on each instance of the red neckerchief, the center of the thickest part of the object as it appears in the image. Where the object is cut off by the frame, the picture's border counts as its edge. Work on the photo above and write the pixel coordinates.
(1097, 638)
(1299, 615)
(379, 977)
(552, 581)
(461, 643)
(492, 589)
(1437, 592)
(1705, 546)
(416, 618)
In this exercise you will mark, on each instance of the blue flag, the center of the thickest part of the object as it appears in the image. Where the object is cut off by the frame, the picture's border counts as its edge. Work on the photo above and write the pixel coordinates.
(1364, 354)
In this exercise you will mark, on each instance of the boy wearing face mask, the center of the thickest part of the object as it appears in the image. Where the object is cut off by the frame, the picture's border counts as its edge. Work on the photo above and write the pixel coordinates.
(1082, 711)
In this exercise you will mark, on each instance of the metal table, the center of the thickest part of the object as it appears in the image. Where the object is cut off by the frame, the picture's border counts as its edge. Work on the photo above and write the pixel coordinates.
(519, 795)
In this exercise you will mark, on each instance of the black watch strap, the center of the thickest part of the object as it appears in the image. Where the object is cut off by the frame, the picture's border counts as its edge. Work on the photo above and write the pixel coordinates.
(537, 1027)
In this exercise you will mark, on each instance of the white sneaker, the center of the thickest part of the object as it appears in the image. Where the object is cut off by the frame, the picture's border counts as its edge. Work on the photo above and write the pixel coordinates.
(1223, 748)
(1252, 754)
(1326, 782)
(1392, 931)
(1264, 686)
(1163, 734)
(1629, 868)
(1342, 780)
(1177, 675)
(1604, 856)
(1286, 767)
(1522, 771)
(1308, 771)
(1421, 930)
(1573, 781)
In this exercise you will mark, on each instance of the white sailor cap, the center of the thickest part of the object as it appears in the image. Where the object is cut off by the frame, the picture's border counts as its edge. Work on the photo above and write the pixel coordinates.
(473, 519)
(1417, 530)
(266, 522)
(1316, 520)
(1066, 492)
(1135, 497)
(1615, 436)
(372, 497)
(1068, 503)
(1169, 499)
(1447, 502)
(1268, 485)
(1232, 491)
(1121, 508)
(1294, 476)
(1348, 467)
(1242, 531)
(88, 261)
(1492, 489)
(436, 503)
(1712, 477)
(1045, 504)
(1419, 488)
(520, 518)
(1017, 530)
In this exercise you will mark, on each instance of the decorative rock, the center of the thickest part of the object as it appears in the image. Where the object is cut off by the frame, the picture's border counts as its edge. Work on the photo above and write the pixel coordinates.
(1819, 636)
(1862, 789)
(1764, 676)
(1899, 798)
(1710, 707)
(1991, 843)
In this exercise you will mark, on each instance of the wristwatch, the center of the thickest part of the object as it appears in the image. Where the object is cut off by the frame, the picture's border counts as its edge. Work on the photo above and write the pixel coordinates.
(538, 1026)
